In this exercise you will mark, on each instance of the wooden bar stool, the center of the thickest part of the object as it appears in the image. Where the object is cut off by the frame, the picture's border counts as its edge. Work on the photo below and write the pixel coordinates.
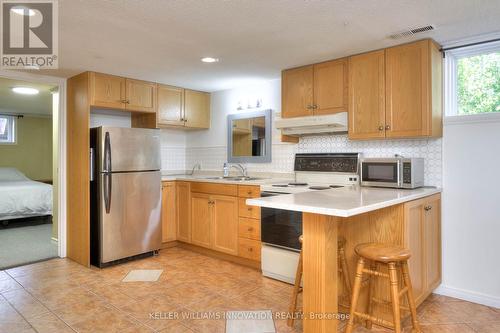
(298, 277)
(394, 257)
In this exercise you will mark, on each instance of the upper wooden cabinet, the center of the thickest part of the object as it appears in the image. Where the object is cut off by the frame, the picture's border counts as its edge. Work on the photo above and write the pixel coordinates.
(396, 92)
(196, 109)
(367, 95)
(109, 91)
(170, 105)
(315, 89)
(141, 95)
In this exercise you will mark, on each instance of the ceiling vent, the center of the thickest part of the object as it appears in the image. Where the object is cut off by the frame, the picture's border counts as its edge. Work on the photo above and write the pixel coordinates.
(411, 32)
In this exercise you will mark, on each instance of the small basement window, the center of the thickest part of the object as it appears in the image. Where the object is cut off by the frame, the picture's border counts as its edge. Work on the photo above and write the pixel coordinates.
(7, 129)
(472, 82)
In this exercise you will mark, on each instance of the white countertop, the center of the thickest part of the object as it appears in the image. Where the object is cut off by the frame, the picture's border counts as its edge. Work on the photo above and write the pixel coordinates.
(205, 178)
(343, 202)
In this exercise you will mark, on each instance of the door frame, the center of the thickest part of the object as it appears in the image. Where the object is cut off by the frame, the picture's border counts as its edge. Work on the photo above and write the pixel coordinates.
(61, 165)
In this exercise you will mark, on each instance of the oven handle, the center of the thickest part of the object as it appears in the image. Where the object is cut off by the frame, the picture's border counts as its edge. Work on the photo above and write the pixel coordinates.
(265, 194)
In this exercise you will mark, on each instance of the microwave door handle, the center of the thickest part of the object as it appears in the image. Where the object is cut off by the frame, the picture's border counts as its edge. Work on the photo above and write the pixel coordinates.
(399, 167)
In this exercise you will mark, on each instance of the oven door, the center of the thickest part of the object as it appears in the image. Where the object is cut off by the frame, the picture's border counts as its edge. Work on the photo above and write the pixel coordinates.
(381, 172)
(281, 228)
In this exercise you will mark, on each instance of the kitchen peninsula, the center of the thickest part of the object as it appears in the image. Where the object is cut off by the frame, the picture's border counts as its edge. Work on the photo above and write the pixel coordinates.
(409, 218)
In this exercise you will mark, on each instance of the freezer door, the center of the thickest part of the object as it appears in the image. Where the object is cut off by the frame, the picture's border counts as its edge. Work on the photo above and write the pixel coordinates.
(130, 214)
(128, 149)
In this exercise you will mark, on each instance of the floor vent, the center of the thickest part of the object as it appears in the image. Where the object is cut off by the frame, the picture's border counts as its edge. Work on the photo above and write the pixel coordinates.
(411, 32)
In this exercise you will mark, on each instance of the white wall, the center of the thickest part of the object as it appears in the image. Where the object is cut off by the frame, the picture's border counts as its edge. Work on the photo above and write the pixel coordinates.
(471, 211)
(173, 142)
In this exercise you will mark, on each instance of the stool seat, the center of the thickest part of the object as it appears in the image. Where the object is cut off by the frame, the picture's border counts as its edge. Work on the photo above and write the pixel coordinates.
(382, 252)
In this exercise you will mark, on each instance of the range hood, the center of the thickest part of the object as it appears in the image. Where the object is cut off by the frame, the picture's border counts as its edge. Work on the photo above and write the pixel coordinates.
(327, 124)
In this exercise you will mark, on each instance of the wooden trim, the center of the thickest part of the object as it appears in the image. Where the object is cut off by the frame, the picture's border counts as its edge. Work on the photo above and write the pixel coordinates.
(289, 138)
(78, 178)
(218, 255)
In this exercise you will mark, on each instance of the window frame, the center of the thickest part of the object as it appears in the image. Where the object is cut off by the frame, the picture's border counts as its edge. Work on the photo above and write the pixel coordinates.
(12, 119)
(450, 83)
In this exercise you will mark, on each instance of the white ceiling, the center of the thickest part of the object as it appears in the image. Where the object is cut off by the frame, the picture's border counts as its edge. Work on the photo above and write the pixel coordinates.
(10, 102)
(163, 40)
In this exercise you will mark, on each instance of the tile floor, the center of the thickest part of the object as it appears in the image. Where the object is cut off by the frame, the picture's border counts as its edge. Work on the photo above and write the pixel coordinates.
(62, 296)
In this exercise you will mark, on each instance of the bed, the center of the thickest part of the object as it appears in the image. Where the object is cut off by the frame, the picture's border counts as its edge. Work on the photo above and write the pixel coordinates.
(21, 197)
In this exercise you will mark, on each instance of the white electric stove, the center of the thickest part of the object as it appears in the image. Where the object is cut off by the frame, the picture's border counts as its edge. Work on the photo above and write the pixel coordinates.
(280, 229)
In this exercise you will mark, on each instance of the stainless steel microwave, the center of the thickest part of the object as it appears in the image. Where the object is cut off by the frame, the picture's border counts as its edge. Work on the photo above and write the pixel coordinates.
(397, 172)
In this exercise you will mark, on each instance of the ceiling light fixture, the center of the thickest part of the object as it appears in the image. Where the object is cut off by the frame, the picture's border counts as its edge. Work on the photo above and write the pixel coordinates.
(25, 90)
(209, 59)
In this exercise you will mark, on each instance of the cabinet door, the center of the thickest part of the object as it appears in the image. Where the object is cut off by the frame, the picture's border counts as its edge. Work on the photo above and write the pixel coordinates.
(367, 96)
(201, 219)
(415, 242)
(168, 212)
(330, 87)
(183, 196)
(432, 234)
(196, 109)
(141, 96)
(225, 224)
(170, 105)
(107, 91)
(407, 90)
(297, 92)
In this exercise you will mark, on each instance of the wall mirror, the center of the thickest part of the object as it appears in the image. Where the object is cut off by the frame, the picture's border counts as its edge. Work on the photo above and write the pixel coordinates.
(249, 137)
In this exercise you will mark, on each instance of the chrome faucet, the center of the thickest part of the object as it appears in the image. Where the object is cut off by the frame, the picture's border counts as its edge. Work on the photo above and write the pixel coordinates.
(238, 166)
(197, 166)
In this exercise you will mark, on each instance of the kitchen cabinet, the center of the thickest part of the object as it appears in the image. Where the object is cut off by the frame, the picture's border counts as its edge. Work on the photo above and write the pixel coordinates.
(248, 211)
(409, 102)
(109, 91)
(170, 105)
(225, 224)
(249, 249)
(183, 197)
(315, 89)
(422, 235)
(196, 109)
(367, 95)
(201, 219)
(168, 213)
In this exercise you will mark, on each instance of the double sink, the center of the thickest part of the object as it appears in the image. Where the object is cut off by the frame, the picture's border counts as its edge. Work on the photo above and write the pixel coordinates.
(239, 178)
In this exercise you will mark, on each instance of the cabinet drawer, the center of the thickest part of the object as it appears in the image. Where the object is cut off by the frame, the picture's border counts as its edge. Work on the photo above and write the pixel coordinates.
(252, 212)
(248, 248)
(211, 188)
(249, 228)
(247, 191)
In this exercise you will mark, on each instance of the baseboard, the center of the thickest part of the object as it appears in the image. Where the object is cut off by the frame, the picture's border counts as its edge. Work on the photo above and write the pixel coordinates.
(468, 295)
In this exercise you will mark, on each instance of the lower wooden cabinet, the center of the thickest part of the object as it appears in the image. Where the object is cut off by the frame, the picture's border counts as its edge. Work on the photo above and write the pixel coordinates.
(249, 249)
(183, 197)
(168, 212)
(201, 219)
(422, 235)
(225, 224)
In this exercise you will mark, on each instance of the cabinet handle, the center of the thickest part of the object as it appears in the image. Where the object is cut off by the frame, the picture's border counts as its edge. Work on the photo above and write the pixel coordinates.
(249, 192)
(314, 107)
(249, 209)
(381, 128)
(387, 127)
(427, 208)
(250, 249)
(309, 107)
(250, 229)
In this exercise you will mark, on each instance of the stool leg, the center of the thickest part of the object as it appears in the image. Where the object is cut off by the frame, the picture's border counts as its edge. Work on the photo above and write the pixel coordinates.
(371, 287)
(296, 290)
(393, 279)
(358, 279)
(411, 300)
(345, 270)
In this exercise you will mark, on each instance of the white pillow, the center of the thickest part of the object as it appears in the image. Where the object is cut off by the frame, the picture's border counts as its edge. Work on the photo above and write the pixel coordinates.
(11, 174)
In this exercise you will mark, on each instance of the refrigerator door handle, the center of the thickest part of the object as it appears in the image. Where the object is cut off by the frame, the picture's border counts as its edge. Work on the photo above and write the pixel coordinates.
(92, 164)
(107, 153)
(107, 191)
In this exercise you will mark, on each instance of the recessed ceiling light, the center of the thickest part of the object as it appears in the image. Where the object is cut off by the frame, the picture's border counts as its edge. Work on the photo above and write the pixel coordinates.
(20, 11)
(209, 59)
(25, 90)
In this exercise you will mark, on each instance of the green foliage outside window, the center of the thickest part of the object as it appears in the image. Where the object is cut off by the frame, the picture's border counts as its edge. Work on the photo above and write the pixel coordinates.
(478, 84)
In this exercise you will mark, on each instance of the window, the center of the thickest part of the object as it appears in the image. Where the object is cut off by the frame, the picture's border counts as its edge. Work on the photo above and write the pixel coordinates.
(7, 129)
(472, 80)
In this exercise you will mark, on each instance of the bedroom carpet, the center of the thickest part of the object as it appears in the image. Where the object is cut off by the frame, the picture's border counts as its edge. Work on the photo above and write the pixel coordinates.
(23, 245)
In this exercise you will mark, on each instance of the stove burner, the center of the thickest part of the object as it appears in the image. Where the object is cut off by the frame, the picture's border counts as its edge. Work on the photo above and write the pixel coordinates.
(297, 184)
(319, 188)
(280, 185)
(336, 186)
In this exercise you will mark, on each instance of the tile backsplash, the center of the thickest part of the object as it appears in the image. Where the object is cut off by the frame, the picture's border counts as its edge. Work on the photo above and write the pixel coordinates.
(213, 157)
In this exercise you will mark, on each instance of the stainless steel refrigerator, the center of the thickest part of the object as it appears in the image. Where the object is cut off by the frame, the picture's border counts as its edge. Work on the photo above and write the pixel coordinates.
(125, 192)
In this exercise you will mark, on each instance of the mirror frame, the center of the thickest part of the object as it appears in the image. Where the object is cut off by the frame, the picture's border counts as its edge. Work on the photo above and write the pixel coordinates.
(268, 132)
